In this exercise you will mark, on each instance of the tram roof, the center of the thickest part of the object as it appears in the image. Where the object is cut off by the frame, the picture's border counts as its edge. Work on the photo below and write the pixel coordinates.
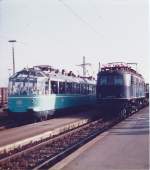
(35, 73)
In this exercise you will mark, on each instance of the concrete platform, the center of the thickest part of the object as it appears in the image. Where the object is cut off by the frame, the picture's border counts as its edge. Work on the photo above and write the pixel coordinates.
(124, 147)
(19, 136)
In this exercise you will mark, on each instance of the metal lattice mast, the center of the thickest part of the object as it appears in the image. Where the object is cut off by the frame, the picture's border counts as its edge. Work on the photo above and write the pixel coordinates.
(84, 66)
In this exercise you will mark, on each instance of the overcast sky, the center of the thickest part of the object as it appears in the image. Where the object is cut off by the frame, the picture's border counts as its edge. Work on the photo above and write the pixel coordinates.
(61, 32)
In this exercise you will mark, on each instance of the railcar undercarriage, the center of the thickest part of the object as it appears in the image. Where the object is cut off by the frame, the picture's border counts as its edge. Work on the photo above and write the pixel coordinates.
(120, 107)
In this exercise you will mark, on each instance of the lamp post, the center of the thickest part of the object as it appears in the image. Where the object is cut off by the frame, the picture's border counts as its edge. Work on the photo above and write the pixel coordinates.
(13, 53)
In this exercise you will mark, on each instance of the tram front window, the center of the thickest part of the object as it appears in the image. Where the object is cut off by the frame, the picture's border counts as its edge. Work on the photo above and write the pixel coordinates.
(22, 88)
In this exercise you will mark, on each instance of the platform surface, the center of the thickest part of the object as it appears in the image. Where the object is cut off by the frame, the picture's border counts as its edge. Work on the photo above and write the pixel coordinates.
(13, 135)
(124, 147)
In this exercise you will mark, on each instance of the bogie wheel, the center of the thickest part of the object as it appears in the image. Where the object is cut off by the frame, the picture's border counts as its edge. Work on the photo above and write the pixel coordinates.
(129, 111)
(123, 113)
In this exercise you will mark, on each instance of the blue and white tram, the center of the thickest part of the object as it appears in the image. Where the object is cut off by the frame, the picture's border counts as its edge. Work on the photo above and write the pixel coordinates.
(41, 91)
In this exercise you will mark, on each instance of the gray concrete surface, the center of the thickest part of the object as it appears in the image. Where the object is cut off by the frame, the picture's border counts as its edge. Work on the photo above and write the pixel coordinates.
(124, 147)
(12, 135)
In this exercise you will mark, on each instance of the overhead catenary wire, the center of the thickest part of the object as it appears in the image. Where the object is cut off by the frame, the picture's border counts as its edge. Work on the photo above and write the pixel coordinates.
(78, 16)
(95, 9)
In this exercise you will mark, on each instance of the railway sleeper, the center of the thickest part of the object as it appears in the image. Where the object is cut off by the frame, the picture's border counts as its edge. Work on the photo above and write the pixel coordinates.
(59, 145)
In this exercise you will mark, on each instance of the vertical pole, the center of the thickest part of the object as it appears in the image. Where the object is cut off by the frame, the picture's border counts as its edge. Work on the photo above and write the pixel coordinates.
(83, 65)
(99, 69)
(9, 72)
(13, 55)
(84, 70)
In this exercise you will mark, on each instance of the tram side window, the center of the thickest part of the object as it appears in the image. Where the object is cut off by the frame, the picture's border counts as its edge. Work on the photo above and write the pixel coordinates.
(86, 88)
(90, 89)
(68, 87)
(54, 87)
(46, 87)
(81, 88)
(61, 87)
(94, 89)
(78, 88)
(74, 88)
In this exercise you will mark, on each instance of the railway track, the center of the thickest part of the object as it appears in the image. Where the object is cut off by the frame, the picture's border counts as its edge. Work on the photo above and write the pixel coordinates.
(46, 153)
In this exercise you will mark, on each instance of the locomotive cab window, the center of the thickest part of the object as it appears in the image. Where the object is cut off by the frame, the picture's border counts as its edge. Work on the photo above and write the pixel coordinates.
(118, 80)
(107, 80)
(103, 80)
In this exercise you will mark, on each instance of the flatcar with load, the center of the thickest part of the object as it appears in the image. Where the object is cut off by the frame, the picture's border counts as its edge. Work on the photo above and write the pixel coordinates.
(41, 91)
(120, 89)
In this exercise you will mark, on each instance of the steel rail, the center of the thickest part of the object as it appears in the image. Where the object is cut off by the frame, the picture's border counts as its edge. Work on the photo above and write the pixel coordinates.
(59, 151)
(46, 153)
